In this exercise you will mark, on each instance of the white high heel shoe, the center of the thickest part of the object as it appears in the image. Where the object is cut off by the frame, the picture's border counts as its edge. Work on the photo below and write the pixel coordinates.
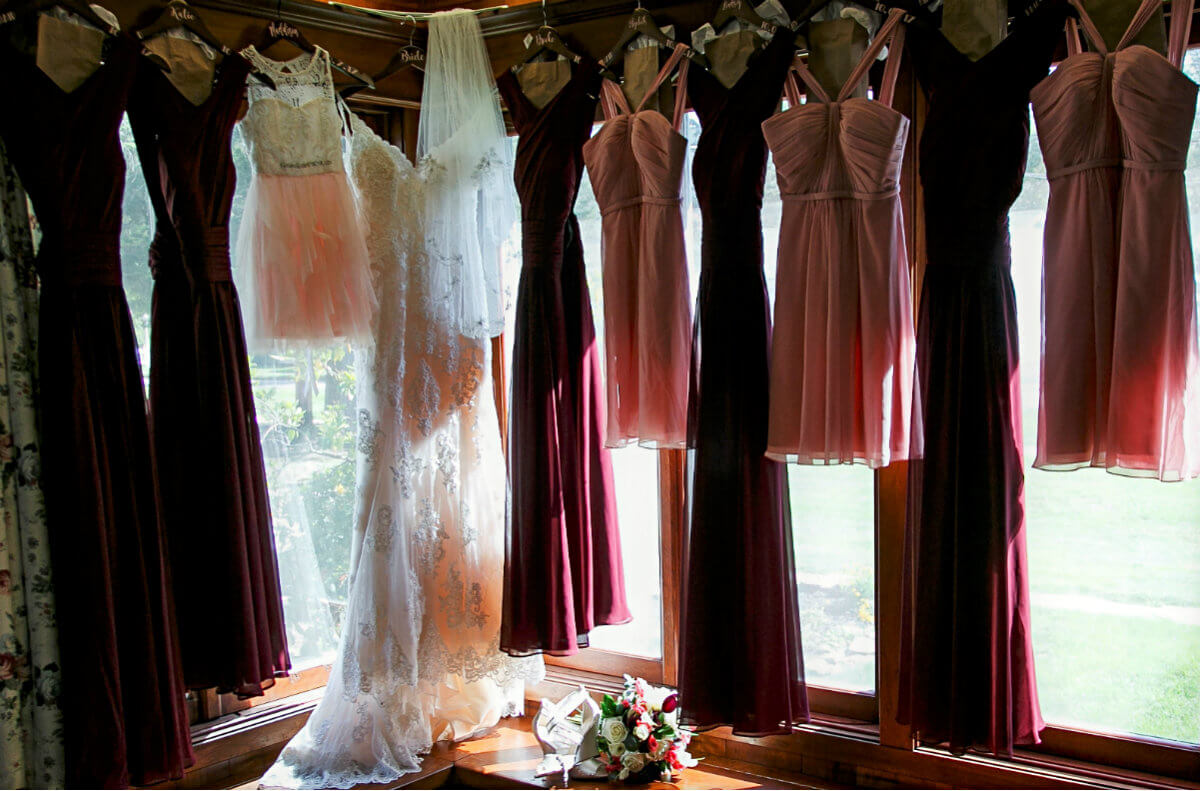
(564, 742)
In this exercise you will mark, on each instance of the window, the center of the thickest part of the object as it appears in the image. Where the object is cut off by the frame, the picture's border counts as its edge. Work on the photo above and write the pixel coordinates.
(1114, 562)
(833, 509)
(305, 406)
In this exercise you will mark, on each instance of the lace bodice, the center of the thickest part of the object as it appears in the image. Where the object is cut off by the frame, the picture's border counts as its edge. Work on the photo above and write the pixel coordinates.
(293, 129)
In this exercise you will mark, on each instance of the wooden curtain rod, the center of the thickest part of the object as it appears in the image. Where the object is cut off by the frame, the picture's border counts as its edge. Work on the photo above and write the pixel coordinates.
(406, 16)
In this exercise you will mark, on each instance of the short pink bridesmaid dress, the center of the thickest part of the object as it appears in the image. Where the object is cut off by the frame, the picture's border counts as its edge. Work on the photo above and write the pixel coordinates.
(1119, 348)
(842, 365)
(635, 163)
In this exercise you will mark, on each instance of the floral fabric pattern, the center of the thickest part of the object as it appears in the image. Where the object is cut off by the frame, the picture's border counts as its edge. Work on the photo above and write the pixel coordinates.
(31, 743)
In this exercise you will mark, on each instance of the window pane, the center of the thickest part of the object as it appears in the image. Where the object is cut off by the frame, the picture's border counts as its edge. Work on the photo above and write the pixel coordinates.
(1114, 561)
(305, 406)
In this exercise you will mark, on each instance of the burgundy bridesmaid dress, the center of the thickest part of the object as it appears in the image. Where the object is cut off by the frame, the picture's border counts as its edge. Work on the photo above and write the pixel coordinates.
(636, 164)
(122, 696)
(740, 657)
(210, 463)
(967, 674)
(563, 572)
(1120, 367)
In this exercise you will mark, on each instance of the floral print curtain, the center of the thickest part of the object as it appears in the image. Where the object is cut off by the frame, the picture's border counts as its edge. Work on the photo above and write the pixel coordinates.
(31, 747)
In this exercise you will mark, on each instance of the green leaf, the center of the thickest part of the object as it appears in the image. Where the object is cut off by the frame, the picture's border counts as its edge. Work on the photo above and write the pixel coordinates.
(608, 706)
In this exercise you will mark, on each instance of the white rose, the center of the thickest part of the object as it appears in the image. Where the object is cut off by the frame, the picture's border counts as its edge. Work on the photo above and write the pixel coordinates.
(616, 749)
(613, 730)
(634, 762)
(641, 732)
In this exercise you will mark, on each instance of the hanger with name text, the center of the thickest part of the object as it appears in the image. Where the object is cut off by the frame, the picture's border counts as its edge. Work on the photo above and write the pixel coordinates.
(640, 23)
(408, 56)
(278, 30)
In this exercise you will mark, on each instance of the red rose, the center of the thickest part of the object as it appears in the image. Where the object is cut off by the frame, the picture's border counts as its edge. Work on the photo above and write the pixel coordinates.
(651, 744)
(670, 703)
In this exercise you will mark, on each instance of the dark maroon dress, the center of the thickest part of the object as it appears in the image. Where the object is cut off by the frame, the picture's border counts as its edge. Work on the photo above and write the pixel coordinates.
(967, 675)
(740, 656)
(210, 463)
(125, 720)
(563, 572)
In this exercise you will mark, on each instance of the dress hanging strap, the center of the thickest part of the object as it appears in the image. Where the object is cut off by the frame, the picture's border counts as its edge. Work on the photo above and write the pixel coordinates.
(791, 89)
(800, 68)
(681, 95)
(1144, 13)
(1074, 45)
(663, 73)
(612, 98)
(1090, 29)
(1181, 29)
(889, 30)
(891, 69)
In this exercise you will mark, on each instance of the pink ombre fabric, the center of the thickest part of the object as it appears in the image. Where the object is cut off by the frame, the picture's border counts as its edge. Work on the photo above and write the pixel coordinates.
(843, 358)
(635, 163)
(1119, 348)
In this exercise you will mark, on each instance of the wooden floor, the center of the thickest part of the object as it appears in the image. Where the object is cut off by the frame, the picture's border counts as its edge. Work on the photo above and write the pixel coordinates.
(506, 758)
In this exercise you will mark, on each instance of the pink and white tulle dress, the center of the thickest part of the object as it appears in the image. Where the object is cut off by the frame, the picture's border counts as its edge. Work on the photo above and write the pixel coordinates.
(301, 257)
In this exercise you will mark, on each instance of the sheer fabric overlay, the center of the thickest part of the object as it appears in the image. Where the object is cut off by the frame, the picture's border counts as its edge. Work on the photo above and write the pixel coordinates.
(469, 195)
(419, 658)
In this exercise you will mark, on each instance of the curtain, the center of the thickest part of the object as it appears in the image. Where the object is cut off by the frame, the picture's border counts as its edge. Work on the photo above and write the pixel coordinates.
(31, 745)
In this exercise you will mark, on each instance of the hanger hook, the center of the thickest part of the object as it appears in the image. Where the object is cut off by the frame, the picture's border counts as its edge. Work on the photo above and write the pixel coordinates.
(545, 15)
(279, 9)
(412, 31)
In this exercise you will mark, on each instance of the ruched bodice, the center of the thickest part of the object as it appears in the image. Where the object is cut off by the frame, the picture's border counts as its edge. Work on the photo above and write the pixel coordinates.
(842, 358)
(635, 163)
(1119, 358)
(852, 148)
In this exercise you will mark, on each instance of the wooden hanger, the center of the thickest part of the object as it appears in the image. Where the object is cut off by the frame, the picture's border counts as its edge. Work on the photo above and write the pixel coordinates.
(278, 30)
(408, 56)
(915, 9)
(729, 10)
(24, 9)
(642, 24)
(177, 14)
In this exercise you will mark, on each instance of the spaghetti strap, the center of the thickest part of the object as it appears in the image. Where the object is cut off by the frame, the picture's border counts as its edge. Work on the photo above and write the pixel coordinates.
(791, 89)
(1090, 30)
(891, 69)
(1181, 28)
(800, 68)
(881, 38)
(663, 73)
(681, 95)
(613, 100)
(1144, 13)
(1074, 45)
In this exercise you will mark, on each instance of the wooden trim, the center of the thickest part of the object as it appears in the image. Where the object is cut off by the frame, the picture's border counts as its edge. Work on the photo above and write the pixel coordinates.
(611, 664)
(1138, 753)
(672, 494)
(856, 706)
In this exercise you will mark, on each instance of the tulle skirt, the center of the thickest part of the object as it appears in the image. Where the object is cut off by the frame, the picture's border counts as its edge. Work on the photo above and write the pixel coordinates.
(302, 263)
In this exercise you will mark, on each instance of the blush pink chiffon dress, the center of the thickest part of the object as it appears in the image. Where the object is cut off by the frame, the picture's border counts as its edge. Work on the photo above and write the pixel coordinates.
(635, 163)
(1119, 349)
(842, 364)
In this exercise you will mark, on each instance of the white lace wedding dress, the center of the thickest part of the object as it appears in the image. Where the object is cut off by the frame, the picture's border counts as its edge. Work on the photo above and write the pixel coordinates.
(419, 659)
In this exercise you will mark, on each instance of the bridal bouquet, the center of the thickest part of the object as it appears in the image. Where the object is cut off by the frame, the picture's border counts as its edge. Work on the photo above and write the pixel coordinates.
(639, 736)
